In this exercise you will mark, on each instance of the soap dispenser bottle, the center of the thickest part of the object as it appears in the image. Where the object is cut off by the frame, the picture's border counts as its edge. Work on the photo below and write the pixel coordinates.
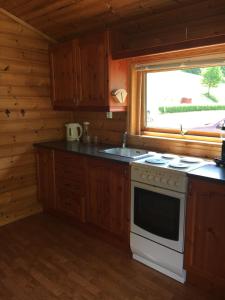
(223, 143)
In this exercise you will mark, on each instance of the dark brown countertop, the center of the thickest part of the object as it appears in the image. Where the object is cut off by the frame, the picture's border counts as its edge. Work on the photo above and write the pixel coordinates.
(84, 149)
(207, 172)
(210, 172)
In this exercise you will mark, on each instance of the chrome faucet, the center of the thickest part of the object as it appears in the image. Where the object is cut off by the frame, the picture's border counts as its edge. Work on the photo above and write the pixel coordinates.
(124, 140)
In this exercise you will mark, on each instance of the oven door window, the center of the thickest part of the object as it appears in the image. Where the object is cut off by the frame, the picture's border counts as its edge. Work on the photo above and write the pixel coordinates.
(157, 213)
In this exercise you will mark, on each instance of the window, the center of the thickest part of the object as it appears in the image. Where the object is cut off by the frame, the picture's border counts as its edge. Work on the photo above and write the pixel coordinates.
(183, 97)
(186, 100)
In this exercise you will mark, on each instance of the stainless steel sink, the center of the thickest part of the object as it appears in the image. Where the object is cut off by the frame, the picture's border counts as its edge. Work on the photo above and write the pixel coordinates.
(126, 152)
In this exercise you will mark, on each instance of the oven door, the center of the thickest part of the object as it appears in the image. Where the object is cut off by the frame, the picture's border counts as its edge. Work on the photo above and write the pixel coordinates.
(158, 214)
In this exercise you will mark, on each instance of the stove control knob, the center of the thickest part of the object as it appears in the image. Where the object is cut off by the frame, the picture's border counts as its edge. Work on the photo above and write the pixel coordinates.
(164, 180)
(150, 177)
(157, 179)
(143, 176)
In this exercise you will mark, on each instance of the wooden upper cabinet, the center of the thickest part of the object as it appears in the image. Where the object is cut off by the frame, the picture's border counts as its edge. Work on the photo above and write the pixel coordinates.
(64, 63)
(83, 74)
(118, 79)
(205, 231)
(94, 70)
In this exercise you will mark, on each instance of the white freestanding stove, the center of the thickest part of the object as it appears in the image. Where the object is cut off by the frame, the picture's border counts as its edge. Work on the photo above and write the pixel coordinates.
(158, 203)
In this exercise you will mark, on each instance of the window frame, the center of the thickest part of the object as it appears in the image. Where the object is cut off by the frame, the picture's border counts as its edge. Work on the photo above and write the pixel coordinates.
(199, 54)
(169, 130)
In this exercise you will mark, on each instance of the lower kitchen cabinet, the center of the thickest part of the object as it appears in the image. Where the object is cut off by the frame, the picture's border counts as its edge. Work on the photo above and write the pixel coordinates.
(46, 178)
(70, 184)
(108, 200)
(205, 232)
(95, 191)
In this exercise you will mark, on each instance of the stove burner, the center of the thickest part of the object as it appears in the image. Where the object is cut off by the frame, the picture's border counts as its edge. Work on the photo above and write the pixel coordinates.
(169, 156)
(151, 153)
(170, 162)
(155, 160)
(178, 165)
(190, 159)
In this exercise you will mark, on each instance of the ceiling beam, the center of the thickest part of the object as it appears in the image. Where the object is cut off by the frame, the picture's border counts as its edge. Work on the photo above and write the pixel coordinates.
(25, 24)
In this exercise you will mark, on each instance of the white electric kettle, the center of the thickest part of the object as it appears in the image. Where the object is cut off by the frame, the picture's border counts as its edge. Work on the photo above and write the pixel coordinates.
(73, 131)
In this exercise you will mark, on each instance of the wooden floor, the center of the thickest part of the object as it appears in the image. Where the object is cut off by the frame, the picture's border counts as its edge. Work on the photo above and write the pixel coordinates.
(42, 258)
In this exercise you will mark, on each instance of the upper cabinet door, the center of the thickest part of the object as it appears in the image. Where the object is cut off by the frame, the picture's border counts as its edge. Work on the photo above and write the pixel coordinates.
(94, 71)
(83, 75)
(63, 76)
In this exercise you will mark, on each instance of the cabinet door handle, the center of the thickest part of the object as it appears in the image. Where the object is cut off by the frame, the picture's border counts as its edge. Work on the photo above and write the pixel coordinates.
(125, 172)
(211, 231)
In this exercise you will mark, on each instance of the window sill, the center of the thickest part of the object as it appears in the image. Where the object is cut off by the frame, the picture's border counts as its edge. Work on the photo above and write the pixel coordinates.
(184, 137)
(206, 147)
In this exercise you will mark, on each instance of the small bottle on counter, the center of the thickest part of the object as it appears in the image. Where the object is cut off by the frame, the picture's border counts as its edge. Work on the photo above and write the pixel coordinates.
(95, 140)
(86, 137)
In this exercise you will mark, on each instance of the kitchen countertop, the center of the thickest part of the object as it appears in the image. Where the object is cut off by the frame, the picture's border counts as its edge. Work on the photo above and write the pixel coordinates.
(84, 149)
(210, 172)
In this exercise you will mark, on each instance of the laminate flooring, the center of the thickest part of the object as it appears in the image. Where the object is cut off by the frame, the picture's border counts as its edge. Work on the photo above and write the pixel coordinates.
(44, 258)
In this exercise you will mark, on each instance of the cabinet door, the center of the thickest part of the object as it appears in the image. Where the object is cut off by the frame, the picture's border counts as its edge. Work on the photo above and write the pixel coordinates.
(108, 201)
(70, 184)
(64, 86)
(46, 178)
(205, 231)
(120, 200)
(94, 71)
(98, 206)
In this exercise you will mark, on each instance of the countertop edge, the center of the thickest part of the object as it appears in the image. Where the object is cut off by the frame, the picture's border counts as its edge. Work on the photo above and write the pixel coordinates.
(87, 150)
(209, 172)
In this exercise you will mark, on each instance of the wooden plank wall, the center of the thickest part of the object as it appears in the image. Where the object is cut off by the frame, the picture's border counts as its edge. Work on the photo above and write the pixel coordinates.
(108, 131)
(198, 24)
(63, 19)
(26, 116)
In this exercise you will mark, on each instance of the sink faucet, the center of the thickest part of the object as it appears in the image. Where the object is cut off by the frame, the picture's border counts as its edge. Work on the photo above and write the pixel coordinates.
(124, 140)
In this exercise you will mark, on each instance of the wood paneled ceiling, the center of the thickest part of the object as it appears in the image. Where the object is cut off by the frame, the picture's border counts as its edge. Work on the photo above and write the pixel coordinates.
(61, 19)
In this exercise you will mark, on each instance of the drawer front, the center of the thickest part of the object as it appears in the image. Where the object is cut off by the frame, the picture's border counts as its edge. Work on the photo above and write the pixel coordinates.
(70, 184)
(69, 160)
(68, 172)
(71, 203)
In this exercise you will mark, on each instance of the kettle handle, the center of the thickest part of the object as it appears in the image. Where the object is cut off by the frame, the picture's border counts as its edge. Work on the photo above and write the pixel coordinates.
(81, 130)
